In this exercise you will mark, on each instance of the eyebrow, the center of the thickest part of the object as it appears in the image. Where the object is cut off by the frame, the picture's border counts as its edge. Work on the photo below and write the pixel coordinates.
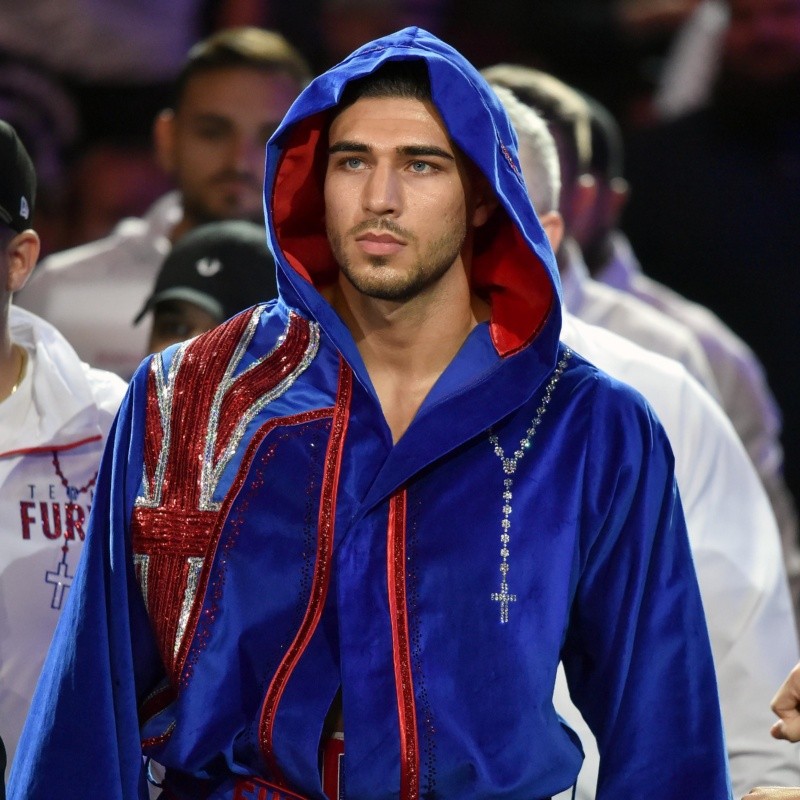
(347, 146)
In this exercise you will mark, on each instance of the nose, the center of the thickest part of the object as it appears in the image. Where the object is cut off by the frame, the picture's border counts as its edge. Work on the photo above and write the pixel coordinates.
(382, 193)
(248, 155)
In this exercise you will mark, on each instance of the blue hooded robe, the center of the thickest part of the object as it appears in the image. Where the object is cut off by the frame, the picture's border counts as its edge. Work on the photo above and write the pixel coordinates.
(258, 542)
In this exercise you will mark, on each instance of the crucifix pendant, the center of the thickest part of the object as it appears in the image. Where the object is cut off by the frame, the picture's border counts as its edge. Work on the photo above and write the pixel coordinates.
(504, 598)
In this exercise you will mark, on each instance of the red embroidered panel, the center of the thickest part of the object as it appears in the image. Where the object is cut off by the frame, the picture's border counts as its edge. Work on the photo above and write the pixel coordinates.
(175, 527)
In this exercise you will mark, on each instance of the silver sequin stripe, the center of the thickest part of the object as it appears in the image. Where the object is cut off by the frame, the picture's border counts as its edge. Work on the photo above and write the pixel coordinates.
(193, 578)
(164, 395)
(211, 472)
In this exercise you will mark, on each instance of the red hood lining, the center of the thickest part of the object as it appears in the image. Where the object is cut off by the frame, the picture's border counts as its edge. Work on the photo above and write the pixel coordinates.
(505, 270)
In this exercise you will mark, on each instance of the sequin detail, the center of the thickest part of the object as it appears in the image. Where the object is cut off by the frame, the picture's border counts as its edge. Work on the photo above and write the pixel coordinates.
(175, 524)
(194, 566)
(141, 564)
(504, 596)
(227, 412)
(403, 678)
(157, 442)
(211, 586)
(322, 569)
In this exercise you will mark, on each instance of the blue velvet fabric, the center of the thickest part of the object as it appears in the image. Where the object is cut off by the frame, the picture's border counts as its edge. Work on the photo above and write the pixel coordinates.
(598, 556)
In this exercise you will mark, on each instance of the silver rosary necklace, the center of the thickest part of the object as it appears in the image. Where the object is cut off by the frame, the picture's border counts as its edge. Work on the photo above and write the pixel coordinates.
(504, 596)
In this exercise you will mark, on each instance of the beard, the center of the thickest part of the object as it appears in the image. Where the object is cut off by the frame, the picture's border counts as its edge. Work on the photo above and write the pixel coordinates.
(380, 281)
(206, 204)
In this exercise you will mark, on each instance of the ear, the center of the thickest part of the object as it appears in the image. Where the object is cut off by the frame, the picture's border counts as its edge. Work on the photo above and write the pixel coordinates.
(22, 254)
(584, 197)
(619, 193)
(553, 224)
(485, 202)
(580, 219)
(164, 136)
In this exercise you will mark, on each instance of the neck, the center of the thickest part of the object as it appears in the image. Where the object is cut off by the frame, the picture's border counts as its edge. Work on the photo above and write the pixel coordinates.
(599, 253)
(12, 360)
(407, 345)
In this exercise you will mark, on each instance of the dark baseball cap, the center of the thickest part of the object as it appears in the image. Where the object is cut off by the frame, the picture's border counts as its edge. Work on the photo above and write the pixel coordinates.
(17, 181)
(223, 267)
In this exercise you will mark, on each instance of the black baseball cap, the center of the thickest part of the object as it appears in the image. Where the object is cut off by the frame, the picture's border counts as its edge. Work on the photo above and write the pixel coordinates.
(17, 181)
(223, 267)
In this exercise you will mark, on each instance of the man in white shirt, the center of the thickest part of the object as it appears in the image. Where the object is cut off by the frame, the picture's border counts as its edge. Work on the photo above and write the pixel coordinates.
(234, 89)
(55, 414)
(731, 527)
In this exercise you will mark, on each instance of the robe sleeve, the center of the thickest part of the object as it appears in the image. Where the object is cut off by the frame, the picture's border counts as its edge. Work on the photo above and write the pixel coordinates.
(637, 655)
(81, 738)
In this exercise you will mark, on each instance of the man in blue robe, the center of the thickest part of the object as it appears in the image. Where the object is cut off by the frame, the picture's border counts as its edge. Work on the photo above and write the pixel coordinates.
(385, 506)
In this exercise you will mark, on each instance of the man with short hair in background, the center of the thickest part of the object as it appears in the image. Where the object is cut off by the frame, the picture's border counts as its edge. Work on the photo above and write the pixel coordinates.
(230, 96)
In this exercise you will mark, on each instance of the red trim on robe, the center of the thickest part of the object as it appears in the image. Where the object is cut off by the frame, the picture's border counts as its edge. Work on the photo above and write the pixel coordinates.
(401, 647)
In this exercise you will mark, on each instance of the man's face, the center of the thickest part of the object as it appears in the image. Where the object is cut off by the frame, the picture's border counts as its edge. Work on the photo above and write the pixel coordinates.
(763, 39)
(214, 144)
(398, 199)
(176, 321)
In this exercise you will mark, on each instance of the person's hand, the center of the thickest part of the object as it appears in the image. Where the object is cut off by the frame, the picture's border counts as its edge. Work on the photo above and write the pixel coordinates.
(773, 793)
(786, 704)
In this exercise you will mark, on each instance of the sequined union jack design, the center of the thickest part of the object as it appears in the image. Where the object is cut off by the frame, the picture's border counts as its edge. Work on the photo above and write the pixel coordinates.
(197, 415)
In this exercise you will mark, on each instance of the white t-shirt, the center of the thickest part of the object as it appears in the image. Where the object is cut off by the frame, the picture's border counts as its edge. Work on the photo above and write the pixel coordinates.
(52, 433)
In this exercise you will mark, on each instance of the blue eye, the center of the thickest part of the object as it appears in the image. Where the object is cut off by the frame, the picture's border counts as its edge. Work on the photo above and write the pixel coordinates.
(353, 163)
(419, 166)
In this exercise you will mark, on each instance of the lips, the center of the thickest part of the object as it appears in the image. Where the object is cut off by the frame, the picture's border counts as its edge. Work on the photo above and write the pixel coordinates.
(384, 238)
(379, 244)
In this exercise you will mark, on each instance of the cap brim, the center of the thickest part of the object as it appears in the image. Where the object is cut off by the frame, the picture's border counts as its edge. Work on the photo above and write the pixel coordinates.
(187, 294)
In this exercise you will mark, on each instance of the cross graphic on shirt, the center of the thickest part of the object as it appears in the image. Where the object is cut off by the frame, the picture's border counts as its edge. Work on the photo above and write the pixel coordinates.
(61, 581)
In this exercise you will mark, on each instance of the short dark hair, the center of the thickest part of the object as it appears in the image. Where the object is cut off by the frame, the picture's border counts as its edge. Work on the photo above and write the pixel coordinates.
(248, 47)
(408, 79)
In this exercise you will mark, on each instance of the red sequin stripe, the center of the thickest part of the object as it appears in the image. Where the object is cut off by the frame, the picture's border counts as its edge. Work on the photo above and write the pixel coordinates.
(155, 703)
(322, 568)
(175, 525)
(204, 364)
(160, 531)
(248, 387)
(403, 679)
(156, 741)
(153, 429)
